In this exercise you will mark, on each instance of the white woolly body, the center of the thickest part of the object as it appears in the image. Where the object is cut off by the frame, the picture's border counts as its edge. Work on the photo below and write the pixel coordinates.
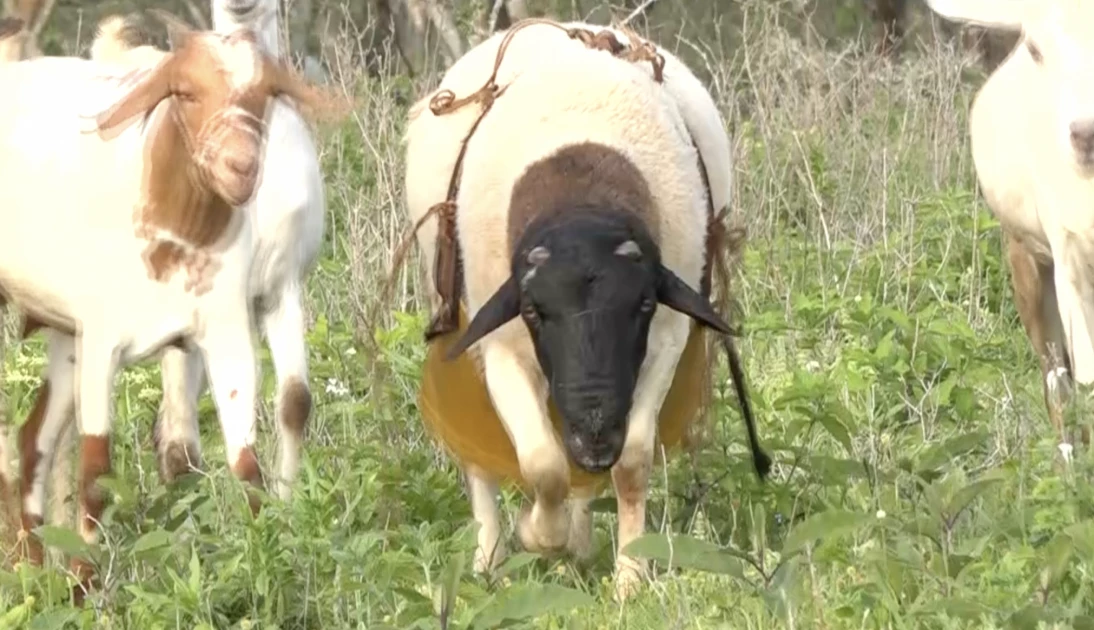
(558, 92)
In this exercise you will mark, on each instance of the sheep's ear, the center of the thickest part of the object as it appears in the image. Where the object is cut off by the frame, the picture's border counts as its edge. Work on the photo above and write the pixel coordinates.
(142, 98)
(677, 295)
(503, 306)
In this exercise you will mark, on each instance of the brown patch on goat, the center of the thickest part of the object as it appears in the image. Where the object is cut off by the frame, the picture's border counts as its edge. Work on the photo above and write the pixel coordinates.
(94, 463)
(10, 26)
(175, 458)
(1032, 280)
(582, 174)
(295, 407)
(30, 457)
(246, 469)
(205, 153)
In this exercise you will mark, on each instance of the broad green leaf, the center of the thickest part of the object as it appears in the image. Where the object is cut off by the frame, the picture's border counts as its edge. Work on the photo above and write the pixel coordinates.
(685, 552)
(151, 540)
(450, 584)
(64, 540)
(51, 619)
(526, 602)
(965, 495)
(837, 430)
(1056, 558)
(942, 454)
(827, 524)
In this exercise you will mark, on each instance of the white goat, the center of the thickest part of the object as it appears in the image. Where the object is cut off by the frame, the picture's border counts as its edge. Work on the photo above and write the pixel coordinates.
(111, 310)
(288, 211)
(1032, 136)
(573, 128)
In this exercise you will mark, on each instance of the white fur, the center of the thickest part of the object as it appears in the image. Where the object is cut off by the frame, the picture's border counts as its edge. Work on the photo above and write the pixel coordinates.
(1019, 127)
(559, 92)
(288, 213)
(101, 286)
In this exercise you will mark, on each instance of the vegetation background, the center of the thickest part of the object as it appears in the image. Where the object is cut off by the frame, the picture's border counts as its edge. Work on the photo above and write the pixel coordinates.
(916, 483)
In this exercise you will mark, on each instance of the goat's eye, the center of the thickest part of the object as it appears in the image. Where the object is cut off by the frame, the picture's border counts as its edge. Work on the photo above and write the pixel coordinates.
(1034, 52)
(646, 305)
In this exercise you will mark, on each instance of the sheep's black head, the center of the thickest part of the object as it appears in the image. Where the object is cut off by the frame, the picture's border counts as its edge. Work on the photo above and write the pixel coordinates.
(586, 283)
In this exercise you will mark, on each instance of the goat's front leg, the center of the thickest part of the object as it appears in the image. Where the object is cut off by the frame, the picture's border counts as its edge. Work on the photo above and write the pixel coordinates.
(176, 434)
(284, 326)
(230, 361)
(522, 407)
(96, 366)
(631, 474)
(47, 424)
(580, 544)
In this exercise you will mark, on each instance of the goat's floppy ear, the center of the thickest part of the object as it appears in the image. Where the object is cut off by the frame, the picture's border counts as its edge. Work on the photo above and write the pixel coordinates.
(314, 101)
(503, 306)
(142, 98)
(677, 295)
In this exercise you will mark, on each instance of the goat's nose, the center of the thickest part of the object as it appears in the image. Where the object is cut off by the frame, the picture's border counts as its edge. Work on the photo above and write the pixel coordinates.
(241, 164)
(1082, 135)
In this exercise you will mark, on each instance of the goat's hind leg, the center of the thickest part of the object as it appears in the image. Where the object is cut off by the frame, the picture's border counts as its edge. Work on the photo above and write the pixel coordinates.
(45, 430)
(176, 434)
(1035, 300)
(483, 493)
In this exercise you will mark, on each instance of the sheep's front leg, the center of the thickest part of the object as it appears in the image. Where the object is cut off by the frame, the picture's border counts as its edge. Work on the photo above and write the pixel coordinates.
(284, 326)
(96, 365)
(483, 493)
(631, 474)
(522, 407)
(176, 434)
(39, 437)
(232, 367)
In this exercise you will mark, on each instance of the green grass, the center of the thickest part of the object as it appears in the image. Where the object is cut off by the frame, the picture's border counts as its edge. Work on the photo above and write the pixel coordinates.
(916, 483)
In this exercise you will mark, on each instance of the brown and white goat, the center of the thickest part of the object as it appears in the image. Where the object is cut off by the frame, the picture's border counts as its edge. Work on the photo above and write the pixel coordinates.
(158, 252)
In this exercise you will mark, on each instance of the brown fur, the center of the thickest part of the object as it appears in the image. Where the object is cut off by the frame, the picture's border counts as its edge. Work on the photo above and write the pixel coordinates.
(296, 406)
(30, 457)
(583, 173)
(246, 469)
(94, 463)
(1032, 280)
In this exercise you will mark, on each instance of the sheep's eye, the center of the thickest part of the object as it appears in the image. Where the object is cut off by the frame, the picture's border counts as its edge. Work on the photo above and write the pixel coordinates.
(1034, 52)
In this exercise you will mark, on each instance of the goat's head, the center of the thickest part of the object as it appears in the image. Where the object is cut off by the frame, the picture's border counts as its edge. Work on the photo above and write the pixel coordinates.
(1057, 39)
(218, 86)
(587, 283)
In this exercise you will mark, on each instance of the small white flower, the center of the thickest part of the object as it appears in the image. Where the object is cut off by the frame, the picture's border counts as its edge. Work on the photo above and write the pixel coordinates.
(336, 388)
(1065, 450)
(351, 352)
(881, 514)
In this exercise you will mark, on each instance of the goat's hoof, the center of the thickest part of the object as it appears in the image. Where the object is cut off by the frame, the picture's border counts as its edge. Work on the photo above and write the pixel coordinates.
(544, 533)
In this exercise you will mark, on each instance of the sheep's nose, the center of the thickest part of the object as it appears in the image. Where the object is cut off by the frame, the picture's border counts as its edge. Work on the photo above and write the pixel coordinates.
(1082, 135)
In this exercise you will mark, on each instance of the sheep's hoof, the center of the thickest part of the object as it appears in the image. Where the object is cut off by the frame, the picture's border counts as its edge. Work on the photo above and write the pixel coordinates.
(544, 532)
(487, 560)
(628, 578)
